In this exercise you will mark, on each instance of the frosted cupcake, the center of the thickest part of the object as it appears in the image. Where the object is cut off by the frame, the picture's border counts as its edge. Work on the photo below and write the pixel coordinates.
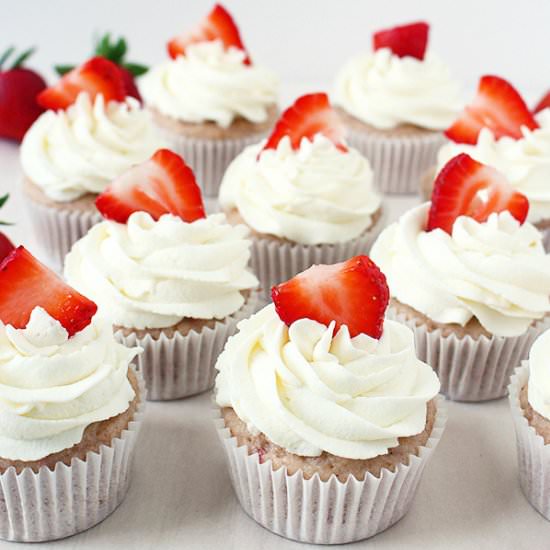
(90, 134)
(395, 103)
(327, 417)
(210, 100)
(172, 280)
(529, 400)
(470, 276)
(71, 407)
(510, 139)
(305, 195)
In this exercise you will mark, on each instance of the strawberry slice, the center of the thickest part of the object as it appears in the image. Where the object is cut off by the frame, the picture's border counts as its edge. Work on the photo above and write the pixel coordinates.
(164, 184)
(465, 187)
(6, 246)
(497, 106)
(97, 76)
(352, 293)
(405, 40)
(544, 103)
(309, 115)
(217, 25)
(25, 283)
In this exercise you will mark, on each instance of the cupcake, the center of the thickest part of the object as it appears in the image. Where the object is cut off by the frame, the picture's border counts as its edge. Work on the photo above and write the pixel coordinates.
(90, 134)
(395, 103)
(327, 417)
(529, 398)
(305, 195)
(470, 276)
(499, 130)
(71, 406)
(172, 280)
(210, 100)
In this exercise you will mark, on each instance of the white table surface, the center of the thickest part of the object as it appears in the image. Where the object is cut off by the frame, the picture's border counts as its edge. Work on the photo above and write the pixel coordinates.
(181, 497)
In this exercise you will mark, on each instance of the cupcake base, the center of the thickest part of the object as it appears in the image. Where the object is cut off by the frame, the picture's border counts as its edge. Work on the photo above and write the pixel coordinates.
(179, 361)
(472, 364)
(399, 157)
(309, 509)
(52, 500)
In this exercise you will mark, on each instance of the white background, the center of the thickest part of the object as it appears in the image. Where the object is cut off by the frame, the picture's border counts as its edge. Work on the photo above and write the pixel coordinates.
(180, 496)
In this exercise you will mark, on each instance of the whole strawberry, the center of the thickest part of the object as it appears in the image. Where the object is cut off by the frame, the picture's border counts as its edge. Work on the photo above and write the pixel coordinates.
(6, 246)
(18, 90)
(115, 52)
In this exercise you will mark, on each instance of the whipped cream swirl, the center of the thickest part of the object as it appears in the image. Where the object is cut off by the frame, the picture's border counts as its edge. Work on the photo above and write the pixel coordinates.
(316, 194)
(152, 274)
(210, 83)
(538, 388)
(52, 387)
(310, 389)
(385, 91)
(525, 162)
(496, 271)
(82, 149)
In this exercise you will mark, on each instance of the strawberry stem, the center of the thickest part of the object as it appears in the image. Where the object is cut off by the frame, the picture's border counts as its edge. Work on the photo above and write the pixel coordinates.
(23, 57)
(5, 55)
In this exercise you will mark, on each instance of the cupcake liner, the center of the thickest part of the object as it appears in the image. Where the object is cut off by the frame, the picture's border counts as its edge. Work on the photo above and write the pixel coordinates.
(471, 369)
(324, 512)
(274, 261)
(399, 161)
(57, 230)
(183, 365)
(533, 453)
(50, 505)
(209, 158)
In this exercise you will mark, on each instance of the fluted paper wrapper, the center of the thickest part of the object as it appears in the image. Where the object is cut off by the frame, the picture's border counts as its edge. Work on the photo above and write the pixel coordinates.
(209, 158)
(471, 369)
(533, 454)
(324, 512)
(275, 261)
(50, 505)
(57, 230)
(399, 161)
(183, 364)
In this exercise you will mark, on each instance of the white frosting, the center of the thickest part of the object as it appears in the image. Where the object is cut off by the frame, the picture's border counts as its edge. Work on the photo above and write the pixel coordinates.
(210, 83)
(69, 153)
(316, 194)
(496, 271)
(385, 91)
(310, 390)
(525, 162)
(538, 388)
(152, 274)
(52, 387)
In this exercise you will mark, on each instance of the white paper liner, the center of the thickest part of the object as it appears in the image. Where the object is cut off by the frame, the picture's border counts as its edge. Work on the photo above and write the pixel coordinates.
(470, 369)
(275, 261)
(533, 454)
(324, 512)
(183, 365)
(398, 161)
(209, 158)
(57, 230)
(50, 505)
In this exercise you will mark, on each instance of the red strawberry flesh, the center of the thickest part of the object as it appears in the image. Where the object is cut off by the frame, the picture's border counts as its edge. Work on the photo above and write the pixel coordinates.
(544, 103)
(352, 293)
(25, 283)
(405, 40)
(162, 185)
(465, 187)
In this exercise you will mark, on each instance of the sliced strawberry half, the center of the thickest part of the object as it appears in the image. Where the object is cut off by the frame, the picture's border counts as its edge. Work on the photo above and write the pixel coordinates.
(465, 187)
(217, 25)
(309, 115)
(352, 293)
(497, 106)
(97, 76)
(25, 283)
(161, 185)
(405, 40)
(544, 103)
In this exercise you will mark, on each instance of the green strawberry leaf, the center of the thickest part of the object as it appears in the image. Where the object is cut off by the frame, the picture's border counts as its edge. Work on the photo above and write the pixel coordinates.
(22, 58)
(5, 55)
(135, 68)
(63, 69)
